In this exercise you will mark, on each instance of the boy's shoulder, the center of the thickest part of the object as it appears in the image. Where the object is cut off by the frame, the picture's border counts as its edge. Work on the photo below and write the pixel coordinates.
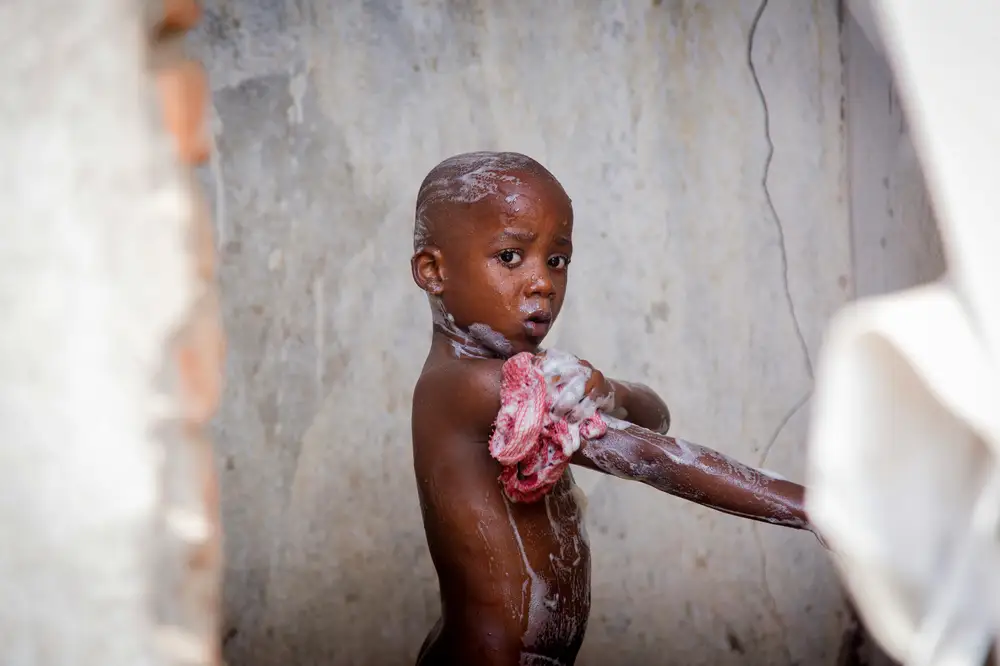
(460, 393)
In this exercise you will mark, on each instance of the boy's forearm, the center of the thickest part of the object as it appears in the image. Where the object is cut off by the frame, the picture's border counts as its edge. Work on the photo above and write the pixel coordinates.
(639, 404)
(697, 474)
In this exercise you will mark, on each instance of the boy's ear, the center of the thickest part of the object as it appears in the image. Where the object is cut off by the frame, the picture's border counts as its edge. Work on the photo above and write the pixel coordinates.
(426, 265)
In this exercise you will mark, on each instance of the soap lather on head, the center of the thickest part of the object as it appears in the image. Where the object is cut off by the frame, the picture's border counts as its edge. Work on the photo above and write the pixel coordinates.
(492, 244)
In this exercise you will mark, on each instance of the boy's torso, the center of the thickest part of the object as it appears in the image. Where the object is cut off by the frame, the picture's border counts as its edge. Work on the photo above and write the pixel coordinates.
(525, 567)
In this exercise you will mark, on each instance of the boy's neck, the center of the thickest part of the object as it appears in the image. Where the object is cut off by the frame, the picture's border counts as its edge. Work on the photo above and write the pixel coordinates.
(460, 346)
(479, 342)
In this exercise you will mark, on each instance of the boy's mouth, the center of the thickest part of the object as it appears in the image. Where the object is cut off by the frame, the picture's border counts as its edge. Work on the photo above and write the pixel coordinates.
(537, 324)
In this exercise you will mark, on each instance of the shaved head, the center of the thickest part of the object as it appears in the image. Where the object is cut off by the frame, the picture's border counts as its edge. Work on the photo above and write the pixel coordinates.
(467, 179)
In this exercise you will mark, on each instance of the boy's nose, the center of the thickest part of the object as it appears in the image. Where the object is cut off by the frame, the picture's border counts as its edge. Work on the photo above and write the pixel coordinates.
(540, 284)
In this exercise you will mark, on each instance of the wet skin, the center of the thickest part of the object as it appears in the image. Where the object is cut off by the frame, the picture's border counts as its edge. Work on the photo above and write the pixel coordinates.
(515, 578)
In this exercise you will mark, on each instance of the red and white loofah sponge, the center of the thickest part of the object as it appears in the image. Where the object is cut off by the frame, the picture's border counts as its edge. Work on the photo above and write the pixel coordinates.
(534, 445)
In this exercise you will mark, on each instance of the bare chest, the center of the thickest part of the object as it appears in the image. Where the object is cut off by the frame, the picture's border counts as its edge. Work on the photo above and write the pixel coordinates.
(554, 599)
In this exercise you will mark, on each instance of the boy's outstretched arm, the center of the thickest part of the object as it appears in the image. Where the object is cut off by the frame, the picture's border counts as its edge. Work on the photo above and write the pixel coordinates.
(695, 473)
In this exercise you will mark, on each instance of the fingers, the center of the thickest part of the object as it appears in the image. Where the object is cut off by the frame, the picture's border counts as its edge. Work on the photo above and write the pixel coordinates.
(596, 381)
(572, 393)
(593, 402)
(582, 389)
(577, 414)
(581, 412)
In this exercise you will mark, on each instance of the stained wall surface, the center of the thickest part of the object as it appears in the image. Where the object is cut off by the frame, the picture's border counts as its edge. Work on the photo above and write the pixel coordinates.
(708, 174)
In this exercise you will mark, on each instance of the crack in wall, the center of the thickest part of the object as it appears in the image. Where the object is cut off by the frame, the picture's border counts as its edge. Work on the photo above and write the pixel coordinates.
(767, 190)
(772, 603)
(781, 426)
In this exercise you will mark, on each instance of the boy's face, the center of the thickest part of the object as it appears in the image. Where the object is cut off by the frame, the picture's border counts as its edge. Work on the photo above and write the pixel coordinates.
(507, 267)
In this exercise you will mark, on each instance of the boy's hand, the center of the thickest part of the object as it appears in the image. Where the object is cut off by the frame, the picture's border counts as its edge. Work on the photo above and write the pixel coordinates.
(584, 389)
(598, 389)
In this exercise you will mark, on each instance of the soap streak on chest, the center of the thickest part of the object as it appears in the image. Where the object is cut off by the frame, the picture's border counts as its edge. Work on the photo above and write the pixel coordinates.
(555, 555)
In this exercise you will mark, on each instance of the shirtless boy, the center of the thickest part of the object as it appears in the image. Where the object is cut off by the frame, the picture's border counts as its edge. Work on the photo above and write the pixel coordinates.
(493, 244)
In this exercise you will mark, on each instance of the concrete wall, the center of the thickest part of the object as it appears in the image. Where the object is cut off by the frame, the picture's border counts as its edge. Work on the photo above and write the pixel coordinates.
(895, 237)
(692, 273)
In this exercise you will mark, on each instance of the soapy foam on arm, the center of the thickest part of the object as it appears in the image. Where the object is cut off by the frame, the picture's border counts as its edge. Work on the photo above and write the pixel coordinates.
(683, 469)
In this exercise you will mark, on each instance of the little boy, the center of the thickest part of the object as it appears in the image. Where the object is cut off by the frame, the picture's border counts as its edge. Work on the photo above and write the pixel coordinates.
(493, 241)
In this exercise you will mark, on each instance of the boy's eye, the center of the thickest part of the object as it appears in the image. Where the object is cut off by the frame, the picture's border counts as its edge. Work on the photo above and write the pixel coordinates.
(559, 262)
(510, 258)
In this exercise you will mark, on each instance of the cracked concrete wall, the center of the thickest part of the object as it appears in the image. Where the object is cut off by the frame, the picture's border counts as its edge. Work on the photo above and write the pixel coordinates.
(707, 266)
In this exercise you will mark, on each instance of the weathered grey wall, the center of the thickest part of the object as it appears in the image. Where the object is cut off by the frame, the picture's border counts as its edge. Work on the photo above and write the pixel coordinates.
(895, 237)
(329, 114)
